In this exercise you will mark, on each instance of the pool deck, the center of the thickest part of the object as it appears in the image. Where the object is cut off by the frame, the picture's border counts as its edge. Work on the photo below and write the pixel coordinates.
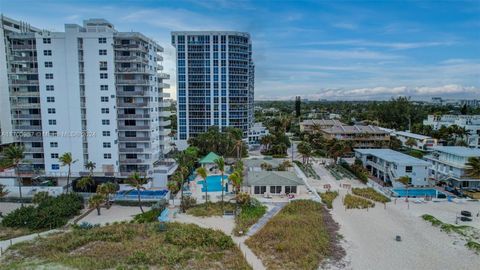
(214, 196)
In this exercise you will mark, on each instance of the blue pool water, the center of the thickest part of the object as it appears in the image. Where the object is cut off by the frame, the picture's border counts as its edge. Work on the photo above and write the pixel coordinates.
(144, 194)
(417, 192)
(213, 183)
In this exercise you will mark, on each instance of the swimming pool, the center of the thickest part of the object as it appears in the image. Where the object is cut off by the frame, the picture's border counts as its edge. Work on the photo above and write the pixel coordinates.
(214, 183)
(144, 194)
(418, 192)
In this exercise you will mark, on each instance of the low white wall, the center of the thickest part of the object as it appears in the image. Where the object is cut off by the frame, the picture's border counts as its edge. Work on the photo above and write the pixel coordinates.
(28, 192)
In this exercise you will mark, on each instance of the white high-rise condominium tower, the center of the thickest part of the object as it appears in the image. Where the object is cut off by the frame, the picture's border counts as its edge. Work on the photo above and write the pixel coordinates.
(91, 91)
(215, 82)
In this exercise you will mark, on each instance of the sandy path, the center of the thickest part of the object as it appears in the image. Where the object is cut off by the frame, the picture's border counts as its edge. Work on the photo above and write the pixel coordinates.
(369, 235)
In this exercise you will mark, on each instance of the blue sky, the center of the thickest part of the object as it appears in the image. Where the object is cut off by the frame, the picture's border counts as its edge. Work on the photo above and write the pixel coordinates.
(317, 49)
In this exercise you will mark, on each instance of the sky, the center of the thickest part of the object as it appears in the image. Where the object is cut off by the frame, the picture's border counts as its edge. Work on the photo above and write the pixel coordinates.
(336, 50)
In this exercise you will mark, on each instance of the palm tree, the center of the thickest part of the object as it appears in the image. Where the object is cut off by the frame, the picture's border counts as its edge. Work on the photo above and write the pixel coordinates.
(106, 189)
(3, 192)
(405, 180)
(90, 166)
(473, 167)
(203, 174)
(84, 183)
(305, 149)
(173, 188)
(238, 147)
(411, 142)
(220, 162)
(136, 182)
(13, 156)
(67, 160)
(96, 201)
(236, 179)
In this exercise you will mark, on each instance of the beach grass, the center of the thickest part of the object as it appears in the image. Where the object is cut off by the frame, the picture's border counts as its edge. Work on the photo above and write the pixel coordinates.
(370, 193)
(210, 209)
(328, 198)
(355, 202)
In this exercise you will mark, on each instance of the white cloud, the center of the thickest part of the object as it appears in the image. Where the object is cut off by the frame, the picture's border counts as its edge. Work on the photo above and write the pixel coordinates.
(390, 45)
(345, 25)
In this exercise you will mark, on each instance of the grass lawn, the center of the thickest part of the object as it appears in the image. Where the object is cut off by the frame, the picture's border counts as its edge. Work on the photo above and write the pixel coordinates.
(212, 209)
(301, 236)
(371, 194)
(351, 201)
(9, 233)
(249, 215)
(328, 198)
(139, 246)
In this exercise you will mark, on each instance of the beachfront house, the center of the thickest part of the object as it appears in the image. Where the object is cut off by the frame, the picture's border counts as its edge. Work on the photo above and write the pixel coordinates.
(420, 142)
(314, 125)
(256, 133)
(264, 164)
(387, 167)
(470, 122)
(274, 183)
(448, 164)
(360, 136)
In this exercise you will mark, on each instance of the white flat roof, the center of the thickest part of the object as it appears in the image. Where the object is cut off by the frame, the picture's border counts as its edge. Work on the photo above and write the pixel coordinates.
(412, 135)
(393, 156)
(461, 151)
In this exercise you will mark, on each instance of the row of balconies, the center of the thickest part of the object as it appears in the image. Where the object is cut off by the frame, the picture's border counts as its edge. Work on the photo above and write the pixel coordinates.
(18, 47)
(133, 116)
(24, 70)
(23, 82)
(131, 58)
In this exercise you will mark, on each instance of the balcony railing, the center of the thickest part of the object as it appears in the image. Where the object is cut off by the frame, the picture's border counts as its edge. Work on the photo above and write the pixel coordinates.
(164, 76)
(24, 82)
(23, 47)
(130, 93)
(24, 70)
(131, 160)
(131, 70)
(132, 150)
(138, 81)
(130, 58)
(133, 139)
(16, 58)
(133, 116)
(27, 116)
(123, 127)
(132, 105)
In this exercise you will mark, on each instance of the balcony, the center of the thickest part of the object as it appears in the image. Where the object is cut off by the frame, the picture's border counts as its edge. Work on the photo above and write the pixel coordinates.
(165, 95)
(24, 94)
(131, 70)
(164, 132)
(131, 160)
(16, 58)
(31, 139)
(132, 150)
(34, 150)
(163, 76)
(163, 85)
(130, 47)
(131, 93)
(131, 58)
(133, 116)
(130, 82)
(133, 139)
(165, 104)
(24, 70)
(23, 47)
(164, 113)
(25, 105)
(164, 123)
(27, 116)
(123, 127)
(35, 128)
(132, 105)
(24, 82)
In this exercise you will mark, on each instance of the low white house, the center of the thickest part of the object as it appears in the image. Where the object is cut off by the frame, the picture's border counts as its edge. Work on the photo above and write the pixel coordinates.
(256, 133)
(389, 166)
(448, 163)
(422, 142)
(274, 183)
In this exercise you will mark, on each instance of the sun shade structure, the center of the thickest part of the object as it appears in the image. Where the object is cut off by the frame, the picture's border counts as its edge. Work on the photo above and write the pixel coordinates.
(209, 159)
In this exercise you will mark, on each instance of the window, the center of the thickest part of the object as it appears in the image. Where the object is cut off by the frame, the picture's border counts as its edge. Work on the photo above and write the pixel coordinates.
(47, 41)
(102, 52)
(50, 99)
(260, 189)
(107, 145)
(103, 87)
(408, 169)
(47, 52)
(48, 64)
(102, 40)
(275, 189)
(104, 99)
(51, 111)
(103, 75)
(105, 110)
(130, 134)
(52, 133)
(105, 122)
(55, 167)
(54, 155)
(106, 133)
(107, 156)
(54, 144)
(50, 88)
(52, 122)
(290, 189)
(49, 76)
(103, 65)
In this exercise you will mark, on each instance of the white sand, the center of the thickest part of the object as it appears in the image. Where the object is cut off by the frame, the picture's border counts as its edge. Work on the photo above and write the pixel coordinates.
(369, 235)
(115, 213)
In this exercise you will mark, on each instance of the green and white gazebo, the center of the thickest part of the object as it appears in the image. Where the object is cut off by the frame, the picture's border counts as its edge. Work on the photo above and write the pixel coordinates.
(209, 159)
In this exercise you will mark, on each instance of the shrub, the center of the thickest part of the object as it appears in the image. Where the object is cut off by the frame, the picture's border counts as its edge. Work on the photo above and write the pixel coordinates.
(371, 194)
(328, 198)
(51, 212)
(85, 226)
(149, 216)
(250, 214)
(358, 170)
(40, 197)
(135, 203)
(187, 203)
(351, 201)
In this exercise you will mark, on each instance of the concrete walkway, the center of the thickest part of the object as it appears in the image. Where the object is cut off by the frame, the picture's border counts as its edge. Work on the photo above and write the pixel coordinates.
(7, 243)
(263, 220)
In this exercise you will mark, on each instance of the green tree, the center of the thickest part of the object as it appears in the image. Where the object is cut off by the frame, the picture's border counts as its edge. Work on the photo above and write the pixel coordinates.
(473, 167)
(395, 143)
(236, 179)
(85, 182)
(106, 190)
(298, 108)
(220, 162)
(67, 160)
(3, 191)
(411, 142)
(90, 166)
(305, 150)
(173, 188)
(136, 181)
(13, 156)
(203, 174)
(95, 202)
